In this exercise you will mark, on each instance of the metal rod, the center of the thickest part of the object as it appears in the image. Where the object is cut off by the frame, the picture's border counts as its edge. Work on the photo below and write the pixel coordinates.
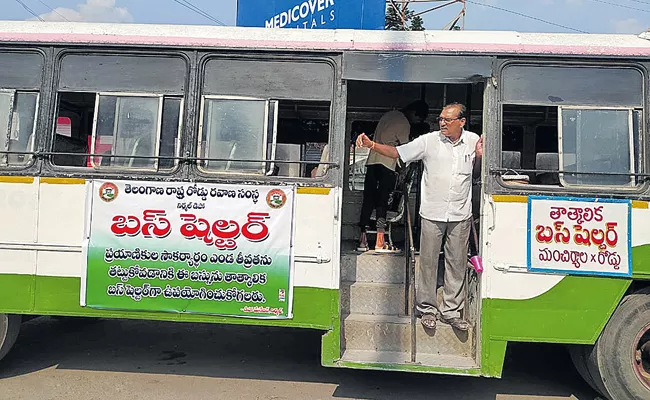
(411, 282)
(496, 171)
(407, 269)
(48, 154)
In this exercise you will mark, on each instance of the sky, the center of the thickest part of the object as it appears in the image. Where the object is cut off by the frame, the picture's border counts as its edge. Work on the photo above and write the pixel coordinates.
(592, 16)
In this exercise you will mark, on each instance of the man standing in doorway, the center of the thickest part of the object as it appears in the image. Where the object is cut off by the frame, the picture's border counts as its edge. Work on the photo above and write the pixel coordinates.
(393, 129)
(450, 157)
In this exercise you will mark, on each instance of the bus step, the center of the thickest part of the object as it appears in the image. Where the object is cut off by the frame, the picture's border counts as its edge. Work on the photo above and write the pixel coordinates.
(368, 267)
(382, 333)
(372, 298)
(386, 358)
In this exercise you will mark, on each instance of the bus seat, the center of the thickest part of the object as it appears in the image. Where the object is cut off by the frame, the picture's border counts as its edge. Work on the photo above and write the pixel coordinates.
(511, 159)
(547, 161)
(288, 152)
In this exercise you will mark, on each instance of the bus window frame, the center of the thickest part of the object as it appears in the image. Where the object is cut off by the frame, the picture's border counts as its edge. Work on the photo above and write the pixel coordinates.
(274, 141)
(4, 157)
(267, 103)
(494, 169)
(29, 152)
(60, 52)
(156, 156)
(631, 142)
(332, 59)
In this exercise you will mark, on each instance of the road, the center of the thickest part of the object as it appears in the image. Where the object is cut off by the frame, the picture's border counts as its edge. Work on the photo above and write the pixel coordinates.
(138, 360)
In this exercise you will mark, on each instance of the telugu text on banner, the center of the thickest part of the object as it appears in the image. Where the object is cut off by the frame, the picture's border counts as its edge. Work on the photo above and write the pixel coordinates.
(191, 248)
(579, 236)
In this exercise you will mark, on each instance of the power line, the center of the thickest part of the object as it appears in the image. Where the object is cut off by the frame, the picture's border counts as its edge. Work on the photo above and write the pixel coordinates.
(620, 5)
(190, 6)
(30, 10)
(641, 1)
(525, 16)
(53, 10)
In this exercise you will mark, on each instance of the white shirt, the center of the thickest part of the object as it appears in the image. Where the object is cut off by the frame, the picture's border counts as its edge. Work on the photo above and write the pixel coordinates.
(393, 129)
(447, 177)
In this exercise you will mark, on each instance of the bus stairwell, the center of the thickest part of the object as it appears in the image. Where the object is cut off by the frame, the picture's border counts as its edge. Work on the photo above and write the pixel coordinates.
(379, 328)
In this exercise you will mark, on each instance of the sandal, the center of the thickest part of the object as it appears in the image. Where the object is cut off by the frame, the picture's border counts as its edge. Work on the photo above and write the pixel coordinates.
(456, 323)
(428, 321)
(388, 249)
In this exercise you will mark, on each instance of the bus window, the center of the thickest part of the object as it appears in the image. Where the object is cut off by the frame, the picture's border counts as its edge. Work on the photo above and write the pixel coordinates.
(585, 132)
(124, 126)
(17, 123)
(285, 121)
(126, 110)
(302, 135)
(132, 124)
(21, 76)
(233, 129)
(597, 140)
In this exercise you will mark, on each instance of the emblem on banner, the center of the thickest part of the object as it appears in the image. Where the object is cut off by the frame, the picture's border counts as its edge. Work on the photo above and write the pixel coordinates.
(276, 198)
(108, 192)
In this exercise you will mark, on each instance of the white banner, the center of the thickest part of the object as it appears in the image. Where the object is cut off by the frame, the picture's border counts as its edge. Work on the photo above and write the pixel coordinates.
(579, 236)
(191, 248)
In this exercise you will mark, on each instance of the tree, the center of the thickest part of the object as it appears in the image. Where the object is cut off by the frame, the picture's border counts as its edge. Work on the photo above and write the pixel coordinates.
(417, 23)
(394, 20)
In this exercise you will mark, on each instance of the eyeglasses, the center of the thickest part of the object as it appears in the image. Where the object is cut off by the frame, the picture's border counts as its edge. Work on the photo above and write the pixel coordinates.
(447, 120)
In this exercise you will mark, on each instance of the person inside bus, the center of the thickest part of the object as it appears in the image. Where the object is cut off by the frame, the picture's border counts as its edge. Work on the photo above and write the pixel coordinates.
(450, 157)
(393, 129)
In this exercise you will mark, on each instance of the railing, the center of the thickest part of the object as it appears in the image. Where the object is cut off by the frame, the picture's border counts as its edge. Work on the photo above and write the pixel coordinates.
(409, 292)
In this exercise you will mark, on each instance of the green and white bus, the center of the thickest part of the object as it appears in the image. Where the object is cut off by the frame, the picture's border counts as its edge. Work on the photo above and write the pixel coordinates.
(207, 174)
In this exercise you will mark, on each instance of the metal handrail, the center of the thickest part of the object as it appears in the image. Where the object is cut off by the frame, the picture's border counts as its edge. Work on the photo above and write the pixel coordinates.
(410, 274)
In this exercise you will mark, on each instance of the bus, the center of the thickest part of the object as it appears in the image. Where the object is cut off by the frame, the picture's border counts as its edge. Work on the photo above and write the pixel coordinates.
(209, 174)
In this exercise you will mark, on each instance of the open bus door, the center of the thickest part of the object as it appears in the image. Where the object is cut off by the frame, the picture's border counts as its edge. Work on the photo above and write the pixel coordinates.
(377, 328)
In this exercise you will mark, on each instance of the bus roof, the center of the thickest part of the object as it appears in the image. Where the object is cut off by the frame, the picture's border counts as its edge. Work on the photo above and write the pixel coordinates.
(482, 42)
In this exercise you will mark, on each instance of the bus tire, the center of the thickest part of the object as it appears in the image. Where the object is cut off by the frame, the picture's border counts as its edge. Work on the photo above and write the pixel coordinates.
(620, 360)
(9, 328)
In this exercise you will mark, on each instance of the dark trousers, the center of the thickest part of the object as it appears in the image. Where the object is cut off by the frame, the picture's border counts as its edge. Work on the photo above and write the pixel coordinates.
(377, 187)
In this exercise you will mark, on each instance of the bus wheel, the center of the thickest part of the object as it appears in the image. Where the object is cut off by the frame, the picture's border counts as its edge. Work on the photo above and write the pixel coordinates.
(620, 360)
(9, 327)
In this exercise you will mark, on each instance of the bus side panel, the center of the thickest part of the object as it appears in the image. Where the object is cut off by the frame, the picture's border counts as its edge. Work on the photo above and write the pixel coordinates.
(536, 307)
(43, 274)
(18, 208)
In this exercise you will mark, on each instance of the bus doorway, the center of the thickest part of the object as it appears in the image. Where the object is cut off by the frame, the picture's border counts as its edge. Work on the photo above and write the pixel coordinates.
(376, 302)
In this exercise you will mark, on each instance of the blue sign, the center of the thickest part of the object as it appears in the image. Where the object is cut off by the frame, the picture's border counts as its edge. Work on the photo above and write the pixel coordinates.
(312, 14)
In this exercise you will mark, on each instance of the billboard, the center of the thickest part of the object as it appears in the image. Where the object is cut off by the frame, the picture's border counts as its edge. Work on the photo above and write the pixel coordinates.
(312, 14)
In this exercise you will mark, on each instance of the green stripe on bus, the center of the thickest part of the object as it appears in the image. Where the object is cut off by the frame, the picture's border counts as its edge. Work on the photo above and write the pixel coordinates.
(573, 311)
(313, 308)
